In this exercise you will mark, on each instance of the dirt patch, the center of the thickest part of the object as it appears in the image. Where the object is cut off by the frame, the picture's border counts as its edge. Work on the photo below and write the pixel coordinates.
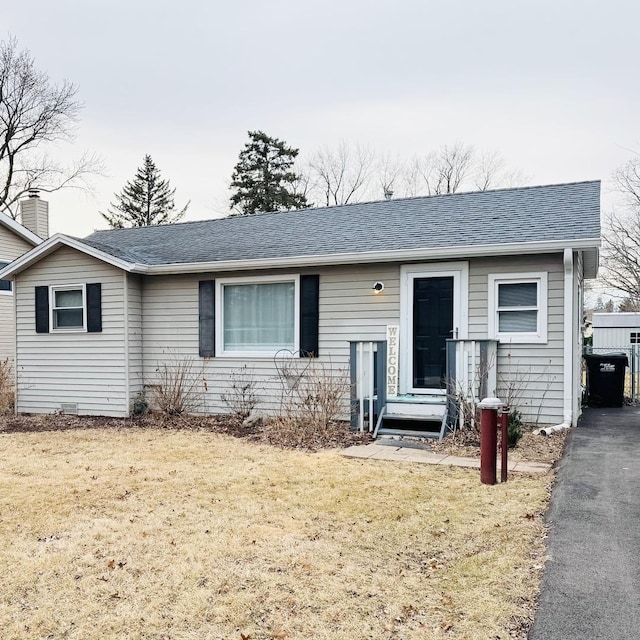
(334, 436)
(531, 447)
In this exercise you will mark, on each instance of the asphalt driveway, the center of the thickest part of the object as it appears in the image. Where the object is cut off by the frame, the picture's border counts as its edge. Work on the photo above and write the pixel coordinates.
(591, 585)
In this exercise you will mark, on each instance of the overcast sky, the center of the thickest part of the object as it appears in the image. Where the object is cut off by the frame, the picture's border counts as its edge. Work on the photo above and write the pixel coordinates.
(553, 86)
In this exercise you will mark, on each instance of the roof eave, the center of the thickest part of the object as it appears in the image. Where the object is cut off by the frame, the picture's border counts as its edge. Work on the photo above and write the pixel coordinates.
(422, 253)
(400, 255)
(48, 246)
(20, 230)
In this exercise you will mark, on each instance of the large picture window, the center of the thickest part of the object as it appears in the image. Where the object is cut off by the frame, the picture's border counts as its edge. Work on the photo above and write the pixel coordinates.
(259, 315)
(518, 307)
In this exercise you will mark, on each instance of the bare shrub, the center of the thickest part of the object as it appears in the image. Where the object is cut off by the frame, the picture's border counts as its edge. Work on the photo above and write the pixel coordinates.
(513, 384)
(179, 386)
(315, 400)
(7, 390)
(241, 397)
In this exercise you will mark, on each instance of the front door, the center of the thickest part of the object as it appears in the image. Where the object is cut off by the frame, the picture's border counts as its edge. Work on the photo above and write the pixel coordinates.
(432, 325)
(433, 307)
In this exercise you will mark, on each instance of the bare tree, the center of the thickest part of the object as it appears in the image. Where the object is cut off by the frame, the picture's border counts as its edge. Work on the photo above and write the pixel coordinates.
(34, 112)
(446, 169)
(342, 175)
(621, 238)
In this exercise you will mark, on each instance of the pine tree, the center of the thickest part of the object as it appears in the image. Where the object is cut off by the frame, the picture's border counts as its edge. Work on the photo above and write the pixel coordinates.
(144, 201)
(264, 179)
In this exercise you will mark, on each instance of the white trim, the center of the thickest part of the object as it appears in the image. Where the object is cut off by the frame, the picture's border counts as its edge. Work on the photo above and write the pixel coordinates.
(219, 316)
(408, 273)
(496, 279)
(67, 287)
(399, 255)
(55, 242)
(568, 391)
(20, 229)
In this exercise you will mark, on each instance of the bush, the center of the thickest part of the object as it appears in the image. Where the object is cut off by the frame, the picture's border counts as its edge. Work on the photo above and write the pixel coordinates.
(241, 397)
(514, 428)
(179, 387)
(7, 391)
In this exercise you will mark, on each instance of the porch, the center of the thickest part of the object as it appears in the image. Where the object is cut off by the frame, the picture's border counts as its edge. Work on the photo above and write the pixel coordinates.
(468, 373)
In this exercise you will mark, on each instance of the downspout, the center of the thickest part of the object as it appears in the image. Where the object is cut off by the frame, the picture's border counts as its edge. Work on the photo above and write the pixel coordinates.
(15, 345)
(127, 381)
(568, 390)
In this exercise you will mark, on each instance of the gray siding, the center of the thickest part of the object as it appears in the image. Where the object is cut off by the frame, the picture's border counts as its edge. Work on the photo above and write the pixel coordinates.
(348, 311)
(11, 247)
(531, 375)
(84, 368)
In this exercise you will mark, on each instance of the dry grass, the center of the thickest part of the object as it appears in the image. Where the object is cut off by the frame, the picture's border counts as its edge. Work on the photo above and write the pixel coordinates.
(146, 533)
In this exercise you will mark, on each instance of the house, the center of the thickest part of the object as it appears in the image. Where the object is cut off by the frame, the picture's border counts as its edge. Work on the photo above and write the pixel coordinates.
(497, 274)
(16, 239)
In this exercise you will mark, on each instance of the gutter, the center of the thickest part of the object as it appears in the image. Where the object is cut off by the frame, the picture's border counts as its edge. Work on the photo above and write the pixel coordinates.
(396, 255)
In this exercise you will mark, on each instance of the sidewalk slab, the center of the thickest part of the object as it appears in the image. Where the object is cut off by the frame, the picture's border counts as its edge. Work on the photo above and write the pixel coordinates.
(376, 451)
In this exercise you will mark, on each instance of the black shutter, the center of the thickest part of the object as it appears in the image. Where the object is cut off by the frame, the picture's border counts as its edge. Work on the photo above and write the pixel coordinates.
(42, 309)
(207, 317)
(94, 308)
(309, 311)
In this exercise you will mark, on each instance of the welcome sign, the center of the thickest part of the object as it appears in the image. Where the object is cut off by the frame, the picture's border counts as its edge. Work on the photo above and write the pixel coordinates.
(393, 333)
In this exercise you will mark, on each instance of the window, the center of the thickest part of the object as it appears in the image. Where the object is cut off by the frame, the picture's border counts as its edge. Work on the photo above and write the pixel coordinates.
(5, 285)
(518, 307)
(259, 315)
(635, 337)
(68, 308)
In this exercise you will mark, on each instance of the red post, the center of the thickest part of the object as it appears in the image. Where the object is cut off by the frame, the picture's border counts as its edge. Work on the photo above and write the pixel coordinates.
(489, 439)
(504, 446)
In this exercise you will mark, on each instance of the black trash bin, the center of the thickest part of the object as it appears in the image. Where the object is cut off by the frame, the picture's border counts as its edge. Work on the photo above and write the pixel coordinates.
(605, 379)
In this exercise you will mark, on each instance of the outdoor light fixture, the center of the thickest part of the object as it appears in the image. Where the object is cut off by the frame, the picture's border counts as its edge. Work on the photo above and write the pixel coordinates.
(378, 287)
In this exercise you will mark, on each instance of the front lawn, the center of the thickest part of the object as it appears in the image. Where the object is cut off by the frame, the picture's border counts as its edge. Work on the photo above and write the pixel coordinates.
(186, 534)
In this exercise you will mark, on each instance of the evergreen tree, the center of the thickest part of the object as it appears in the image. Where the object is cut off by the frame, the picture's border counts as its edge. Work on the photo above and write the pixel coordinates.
(264, 179)
(146, 200)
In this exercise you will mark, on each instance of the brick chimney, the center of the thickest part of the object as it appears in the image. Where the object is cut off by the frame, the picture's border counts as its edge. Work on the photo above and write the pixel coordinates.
(34, 214)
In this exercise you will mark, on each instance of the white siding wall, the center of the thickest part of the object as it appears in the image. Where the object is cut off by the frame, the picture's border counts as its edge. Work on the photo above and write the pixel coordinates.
(533, 372)
(84, 368)
(11, 247)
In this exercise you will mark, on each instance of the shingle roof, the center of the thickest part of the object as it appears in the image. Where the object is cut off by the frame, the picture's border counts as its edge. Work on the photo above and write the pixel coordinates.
(547, 213)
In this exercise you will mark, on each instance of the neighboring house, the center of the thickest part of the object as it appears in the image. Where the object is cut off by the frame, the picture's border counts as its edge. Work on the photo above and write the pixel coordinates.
(503, 269)
(616, 330)
(16, 239)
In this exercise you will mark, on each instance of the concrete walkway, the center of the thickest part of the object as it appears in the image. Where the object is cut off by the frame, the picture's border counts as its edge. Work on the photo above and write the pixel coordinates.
(378, 451)
(591, 584)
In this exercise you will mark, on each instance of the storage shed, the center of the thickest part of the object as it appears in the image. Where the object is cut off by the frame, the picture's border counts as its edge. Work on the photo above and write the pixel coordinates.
(615, 331)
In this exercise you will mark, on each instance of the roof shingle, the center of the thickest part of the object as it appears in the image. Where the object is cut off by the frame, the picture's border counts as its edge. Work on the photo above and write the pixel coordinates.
(547, 213)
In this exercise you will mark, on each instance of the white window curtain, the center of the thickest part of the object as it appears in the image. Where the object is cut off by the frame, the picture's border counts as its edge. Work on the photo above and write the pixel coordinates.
(259, 317)
(68, 309)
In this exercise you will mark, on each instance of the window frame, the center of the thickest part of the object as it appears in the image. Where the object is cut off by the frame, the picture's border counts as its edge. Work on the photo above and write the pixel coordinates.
(52, 308)
(540, 278)
(3, 263)
(220, 283)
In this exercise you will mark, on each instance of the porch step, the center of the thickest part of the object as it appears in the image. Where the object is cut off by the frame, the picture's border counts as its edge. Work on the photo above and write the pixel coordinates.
(386, 431)
(430, 415)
